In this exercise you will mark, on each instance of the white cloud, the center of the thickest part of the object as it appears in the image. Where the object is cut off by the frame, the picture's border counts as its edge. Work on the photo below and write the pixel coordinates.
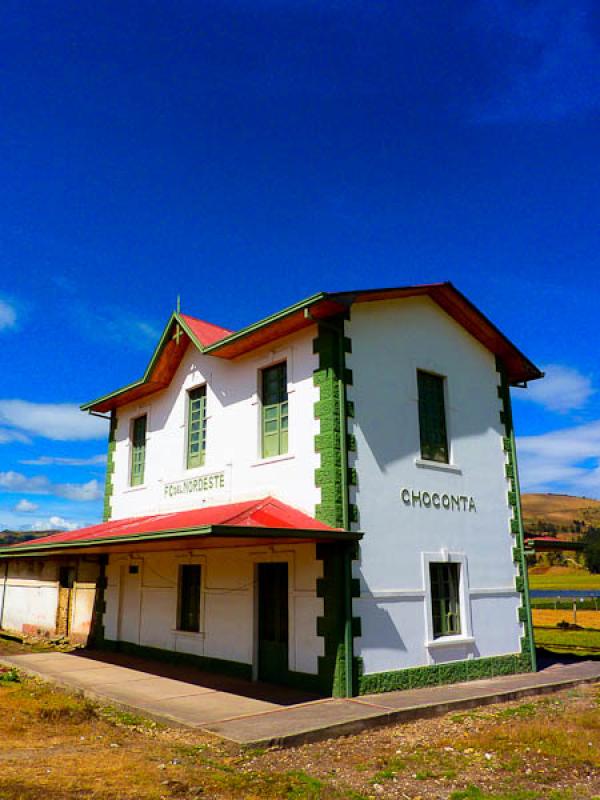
(8, 435)
(26, 506)
(54, 523)
(80, 492)
(63, 461)
(565, 460)
(562, 389)
(8, 316)
(18, 483)
(58, 421)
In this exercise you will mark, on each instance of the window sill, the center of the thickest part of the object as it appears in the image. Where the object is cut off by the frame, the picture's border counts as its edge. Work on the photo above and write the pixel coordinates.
(189, 634)
(273, 460)
(424, 464)
(450, 641)
(135, 488)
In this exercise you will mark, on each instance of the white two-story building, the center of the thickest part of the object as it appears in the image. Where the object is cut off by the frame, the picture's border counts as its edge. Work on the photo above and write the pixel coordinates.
(327, 498)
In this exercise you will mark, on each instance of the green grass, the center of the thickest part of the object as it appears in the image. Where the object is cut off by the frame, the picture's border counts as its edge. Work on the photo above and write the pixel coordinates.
(577, 641)
(572, 579)
(473, 793)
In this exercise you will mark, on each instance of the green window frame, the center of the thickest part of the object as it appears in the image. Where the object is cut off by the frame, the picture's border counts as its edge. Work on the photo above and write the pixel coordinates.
(138, 450)
(445, 599)
(196, 427)
(432, 417)
(188, 607)
(274, 396)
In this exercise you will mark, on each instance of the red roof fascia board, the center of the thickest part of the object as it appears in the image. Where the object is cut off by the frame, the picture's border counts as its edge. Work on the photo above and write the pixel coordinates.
(223, 343)
(266, 513)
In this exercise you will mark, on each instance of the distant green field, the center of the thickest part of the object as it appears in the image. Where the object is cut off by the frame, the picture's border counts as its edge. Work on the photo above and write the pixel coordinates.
(580, 642)
(562, 578)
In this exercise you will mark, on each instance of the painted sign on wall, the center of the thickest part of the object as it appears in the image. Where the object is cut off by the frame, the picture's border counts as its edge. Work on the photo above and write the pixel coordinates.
(436, 500)
(203, 483)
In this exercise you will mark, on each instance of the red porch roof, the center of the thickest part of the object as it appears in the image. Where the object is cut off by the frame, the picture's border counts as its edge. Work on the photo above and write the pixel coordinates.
(265, 518)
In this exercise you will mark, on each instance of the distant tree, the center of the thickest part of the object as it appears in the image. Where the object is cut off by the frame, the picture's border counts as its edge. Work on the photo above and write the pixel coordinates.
(591, 550)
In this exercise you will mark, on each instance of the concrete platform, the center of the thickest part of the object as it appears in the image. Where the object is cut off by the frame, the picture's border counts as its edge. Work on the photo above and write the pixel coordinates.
(257, 714)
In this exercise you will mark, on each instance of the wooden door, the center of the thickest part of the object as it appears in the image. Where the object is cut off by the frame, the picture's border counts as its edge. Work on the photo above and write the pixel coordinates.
(273, 628)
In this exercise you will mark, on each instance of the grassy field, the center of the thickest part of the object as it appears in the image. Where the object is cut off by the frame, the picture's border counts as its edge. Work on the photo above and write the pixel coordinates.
(562, 578)
(58, 746)
(548, 618)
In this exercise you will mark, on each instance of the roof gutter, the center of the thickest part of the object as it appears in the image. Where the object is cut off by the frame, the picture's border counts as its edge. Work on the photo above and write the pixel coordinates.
(227, 531)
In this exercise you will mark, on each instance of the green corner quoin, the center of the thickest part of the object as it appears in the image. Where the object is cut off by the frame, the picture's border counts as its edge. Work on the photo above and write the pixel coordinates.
(110, 467)
(476, 668)
(338, 668)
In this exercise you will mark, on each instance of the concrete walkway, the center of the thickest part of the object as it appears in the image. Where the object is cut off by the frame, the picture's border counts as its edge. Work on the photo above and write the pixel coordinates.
(255, 714)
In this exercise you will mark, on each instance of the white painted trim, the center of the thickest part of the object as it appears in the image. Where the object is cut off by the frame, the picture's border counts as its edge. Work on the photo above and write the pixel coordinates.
(466, 623)
(423, 463)
(493, 591)
(394, 594)
(273, 459)
(450, 641)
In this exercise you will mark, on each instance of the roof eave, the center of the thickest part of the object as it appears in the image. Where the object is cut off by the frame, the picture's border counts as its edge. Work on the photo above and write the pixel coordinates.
(225, 531)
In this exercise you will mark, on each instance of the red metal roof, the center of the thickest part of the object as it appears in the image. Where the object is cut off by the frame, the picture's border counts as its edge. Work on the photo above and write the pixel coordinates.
(266, 513)
(205, 332)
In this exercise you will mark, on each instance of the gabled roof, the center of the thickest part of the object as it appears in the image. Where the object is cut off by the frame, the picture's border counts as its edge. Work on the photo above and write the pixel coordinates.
(253, 519)
(221, 343)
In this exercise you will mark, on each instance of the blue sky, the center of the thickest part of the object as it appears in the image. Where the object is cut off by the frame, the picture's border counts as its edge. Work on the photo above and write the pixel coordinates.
(246, 154)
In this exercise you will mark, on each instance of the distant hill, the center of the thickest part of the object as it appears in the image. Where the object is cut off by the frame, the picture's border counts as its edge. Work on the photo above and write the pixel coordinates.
(559, 513)
(12, 537)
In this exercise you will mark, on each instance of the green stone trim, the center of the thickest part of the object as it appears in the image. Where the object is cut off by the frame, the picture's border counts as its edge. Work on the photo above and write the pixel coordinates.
(331, 626)
(516, 523)
(439, 674)
(110, 467)
(338, 668)
(234, 669)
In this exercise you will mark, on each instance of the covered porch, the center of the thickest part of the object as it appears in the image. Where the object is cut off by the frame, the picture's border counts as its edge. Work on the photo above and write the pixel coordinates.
(254, 591)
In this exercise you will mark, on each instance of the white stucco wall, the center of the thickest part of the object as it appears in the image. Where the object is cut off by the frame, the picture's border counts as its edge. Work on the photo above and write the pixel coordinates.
(30, 596)
(233, 434)
(390, 341)
(142, 608)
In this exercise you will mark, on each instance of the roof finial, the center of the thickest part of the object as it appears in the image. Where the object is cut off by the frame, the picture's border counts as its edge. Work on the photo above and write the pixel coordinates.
(178, 304)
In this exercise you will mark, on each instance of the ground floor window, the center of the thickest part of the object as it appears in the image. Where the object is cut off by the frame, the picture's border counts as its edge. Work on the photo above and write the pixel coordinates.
(189, 598)
(445, 602)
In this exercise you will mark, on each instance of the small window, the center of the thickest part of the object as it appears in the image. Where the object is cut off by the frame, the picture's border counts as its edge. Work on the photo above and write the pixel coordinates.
(66, 577)
(432, 417)
(274, 411)
(189, 598)
(196, 435)
(445, 604)
(138, 451)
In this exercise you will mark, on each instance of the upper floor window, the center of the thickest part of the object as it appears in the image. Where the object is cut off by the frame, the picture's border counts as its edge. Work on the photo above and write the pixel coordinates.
(432, 417)
(445, 603)
(138, 450)
(196, 430)
(274, 411)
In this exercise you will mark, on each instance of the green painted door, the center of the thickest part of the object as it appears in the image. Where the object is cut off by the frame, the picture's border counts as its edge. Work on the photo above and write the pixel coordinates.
(272, 622)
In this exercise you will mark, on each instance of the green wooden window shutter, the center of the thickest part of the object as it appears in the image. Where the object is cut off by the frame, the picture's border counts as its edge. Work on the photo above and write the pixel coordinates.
(432, 417)
(274, 411)
(138, 450)
(196, 437)
(445, 603)
(189, 598)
